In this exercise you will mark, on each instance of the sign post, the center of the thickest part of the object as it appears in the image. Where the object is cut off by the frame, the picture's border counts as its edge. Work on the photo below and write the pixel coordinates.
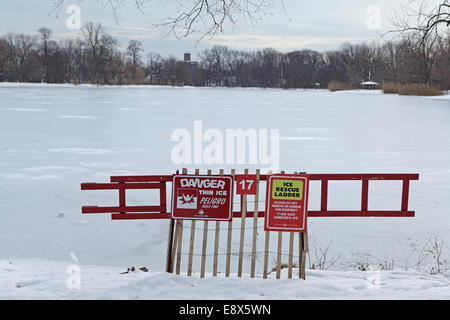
(286, 203)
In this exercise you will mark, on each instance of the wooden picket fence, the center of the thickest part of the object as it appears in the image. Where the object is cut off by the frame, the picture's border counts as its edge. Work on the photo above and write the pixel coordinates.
(175, 242)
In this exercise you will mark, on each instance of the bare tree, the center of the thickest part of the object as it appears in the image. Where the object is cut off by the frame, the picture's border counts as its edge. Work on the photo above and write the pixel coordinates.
(18, 49)
(154, 67)
(101, 49)
(45, 34)
(300, 68)
(236, 62)
(213, 61)
(75, 58)
(441, 70)
(118, 67)
(204, 17)
(175, 72)
(92, 34)
(209, 17)
(420, 20)
(134, 53)
(107, 53)
(269, 67)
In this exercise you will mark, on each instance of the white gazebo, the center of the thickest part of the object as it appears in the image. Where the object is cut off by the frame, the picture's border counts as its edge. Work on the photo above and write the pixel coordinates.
(369, 85)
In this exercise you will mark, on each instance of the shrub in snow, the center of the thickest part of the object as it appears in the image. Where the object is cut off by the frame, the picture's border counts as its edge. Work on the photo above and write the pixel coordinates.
(419, 90)
(390, 88)
(338, 86)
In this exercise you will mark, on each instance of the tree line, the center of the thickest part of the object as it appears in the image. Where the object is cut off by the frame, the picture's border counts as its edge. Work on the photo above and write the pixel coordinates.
(95, 57)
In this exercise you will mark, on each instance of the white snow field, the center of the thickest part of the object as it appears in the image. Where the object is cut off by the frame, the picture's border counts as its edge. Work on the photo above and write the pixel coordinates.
(52, 138)
(41, 279)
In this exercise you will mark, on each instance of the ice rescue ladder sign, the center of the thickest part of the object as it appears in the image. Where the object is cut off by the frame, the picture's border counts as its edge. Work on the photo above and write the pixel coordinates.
(286, 203)
(207, 198)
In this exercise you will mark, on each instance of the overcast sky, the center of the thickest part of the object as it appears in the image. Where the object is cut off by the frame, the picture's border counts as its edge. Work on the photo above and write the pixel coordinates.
(315, 24)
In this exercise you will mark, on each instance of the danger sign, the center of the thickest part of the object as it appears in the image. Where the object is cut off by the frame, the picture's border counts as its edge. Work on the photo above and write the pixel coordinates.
(202, 197)
(286, 203)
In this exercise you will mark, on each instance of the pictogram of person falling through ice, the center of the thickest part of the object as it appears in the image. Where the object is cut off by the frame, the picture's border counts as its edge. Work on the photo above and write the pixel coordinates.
(187, 198)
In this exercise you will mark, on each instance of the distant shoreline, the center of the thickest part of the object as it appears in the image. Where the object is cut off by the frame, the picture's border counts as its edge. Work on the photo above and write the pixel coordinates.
(150, 86)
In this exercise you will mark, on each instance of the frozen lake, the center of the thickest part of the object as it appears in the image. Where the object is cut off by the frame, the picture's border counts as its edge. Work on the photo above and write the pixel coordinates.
(54, 138)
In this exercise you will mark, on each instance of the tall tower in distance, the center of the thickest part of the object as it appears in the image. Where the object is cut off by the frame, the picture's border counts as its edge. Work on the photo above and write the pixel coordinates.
(187, 57)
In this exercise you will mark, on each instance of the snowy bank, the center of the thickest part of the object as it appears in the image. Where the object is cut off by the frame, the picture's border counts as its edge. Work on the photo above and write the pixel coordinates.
(71, 85)
(41, 279)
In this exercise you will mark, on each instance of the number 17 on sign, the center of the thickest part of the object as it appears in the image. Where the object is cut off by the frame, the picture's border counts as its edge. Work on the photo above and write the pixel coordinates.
(246, 184)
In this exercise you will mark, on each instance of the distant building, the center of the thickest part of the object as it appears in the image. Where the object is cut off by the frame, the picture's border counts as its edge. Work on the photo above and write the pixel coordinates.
(369, 85)
(187, 60)
(192, 77)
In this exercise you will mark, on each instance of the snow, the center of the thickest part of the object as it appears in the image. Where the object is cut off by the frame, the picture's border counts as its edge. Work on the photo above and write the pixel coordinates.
(443, 97)
(53, 137)
(43, 279)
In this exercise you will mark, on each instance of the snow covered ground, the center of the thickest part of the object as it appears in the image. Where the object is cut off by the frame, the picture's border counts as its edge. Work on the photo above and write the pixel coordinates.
(55, 137)
(41, 279)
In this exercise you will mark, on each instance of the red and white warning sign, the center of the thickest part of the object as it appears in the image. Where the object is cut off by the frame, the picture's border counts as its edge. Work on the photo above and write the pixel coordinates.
(246, 184)
(286, 203)
(202, 197)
